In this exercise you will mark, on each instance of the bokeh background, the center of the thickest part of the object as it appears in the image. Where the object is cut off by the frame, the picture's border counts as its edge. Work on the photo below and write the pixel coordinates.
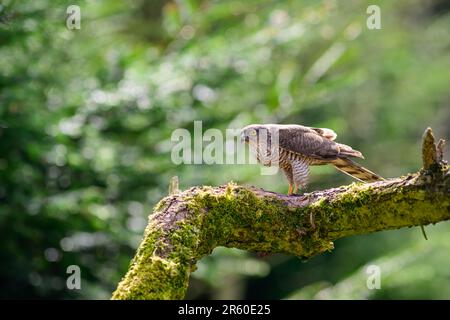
(86, 118)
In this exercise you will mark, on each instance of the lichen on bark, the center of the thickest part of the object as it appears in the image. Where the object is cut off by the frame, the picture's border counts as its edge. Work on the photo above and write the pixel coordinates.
(187, 226)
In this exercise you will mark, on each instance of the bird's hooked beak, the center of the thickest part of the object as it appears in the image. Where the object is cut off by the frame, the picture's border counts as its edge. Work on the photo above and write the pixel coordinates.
(244, 137)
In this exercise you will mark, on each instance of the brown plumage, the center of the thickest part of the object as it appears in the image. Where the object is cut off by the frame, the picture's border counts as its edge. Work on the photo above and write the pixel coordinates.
(300, 147)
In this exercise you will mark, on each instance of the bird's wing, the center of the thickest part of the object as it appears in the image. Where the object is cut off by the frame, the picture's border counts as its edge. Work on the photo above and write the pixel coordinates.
(309, 142)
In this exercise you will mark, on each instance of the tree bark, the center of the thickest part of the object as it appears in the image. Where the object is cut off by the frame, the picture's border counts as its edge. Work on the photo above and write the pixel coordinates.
(187, 226)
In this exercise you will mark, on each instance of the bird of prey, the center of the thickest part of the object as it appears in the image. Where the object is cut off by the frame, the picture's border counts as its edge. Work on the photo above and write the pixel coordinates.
(294, 148)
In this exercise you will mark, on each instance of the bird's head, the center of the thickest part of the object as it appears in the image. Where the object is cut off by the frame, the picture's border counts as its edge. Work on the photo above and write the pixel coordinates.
(253, 131)
(249, 132)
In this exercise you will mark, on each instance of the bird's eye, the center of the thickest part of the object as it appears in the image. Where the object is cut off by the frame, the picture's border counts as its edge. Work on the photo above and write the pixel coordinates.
(252, 132)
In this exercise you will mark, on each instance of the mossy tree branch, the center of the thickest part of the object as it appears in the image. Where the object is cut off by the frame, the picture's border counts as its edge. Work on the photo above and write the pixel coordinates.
(187, 226)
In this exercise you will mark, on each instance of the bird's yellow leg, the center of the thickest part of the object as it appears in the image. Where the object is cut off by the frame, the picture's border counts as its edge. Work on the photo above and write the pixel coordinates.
(295, 189)
(290, 189)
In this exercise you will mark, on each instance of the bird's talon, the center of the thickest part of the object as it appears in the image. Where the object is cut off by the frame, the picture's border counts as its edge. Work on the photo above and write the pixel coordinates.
(290, 190)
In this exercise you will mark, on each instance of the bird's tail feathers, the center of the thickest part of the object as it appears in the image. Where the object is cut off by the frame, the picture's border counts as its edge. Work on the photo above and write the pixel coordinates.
(355, 170)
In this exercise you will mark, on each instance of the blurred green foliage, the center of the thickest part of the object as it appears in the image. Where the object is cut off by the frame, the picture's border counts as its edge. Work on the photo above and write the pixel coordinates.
(86, 118)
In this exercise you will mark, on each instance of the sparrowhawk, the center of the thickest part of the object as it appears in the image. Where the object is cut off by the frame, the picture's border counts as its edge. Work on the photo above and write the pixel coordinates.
(294, 148)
